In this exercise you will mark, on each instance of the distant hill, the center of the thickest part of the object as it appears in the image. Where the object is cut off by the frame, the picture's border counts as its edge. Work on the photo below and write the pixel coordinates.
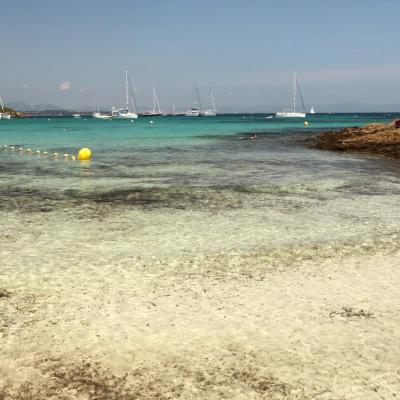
(357, 107)
(319, 108)
(24, 107)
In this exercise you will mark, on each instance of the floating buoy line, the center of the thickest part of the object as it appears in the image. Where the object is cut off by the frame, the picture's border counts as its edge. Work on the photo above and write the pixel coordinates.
(84, 154)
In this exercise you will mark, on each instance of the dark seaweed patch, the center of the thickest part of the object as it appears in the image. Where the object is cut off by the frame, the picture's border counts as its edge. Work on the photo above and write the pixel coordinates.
(350, 312)
(4, 293)
(173, 379)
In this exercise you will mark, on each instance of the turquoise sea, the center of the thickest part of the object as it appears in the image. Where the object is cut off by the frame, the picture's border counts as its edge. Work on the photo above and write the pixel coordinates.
(273, 190)
(188, 258)
(174, 150)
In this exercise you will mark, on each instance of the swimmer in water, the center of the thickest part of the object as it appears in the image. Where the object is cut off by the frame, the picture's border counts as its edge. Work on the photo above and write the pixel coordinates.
(253, 136)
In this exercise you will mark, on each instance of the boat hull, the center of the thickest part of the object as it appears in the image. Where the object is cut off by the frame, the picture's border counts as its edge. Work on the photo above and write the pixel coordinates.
(125, 116)
(208, 114)
(151, 114)
(290, 115)
(101, 116)
(192, 113)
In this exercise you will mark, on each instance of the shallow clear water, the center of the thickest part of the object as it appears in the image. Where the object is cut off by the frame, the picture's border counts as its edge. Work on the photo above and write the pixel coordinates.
(197, 150)
(185, 249)
(200, 184)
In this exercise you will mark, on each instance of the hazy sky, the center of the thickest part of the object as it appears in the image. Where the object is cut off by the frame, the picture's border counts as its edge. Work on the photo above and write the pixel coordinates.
(74, 53)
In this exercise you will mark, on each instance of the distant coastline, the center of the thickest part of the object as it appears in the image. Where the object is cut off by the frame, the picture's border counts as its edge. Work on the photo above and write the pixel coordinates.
(86, 113)
(12, 112)
(53, 113)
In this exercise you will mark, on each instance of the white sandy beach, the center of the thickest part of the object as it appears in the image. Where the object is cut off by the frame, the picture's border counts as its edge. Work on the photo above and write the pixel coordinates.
(96, 318)
(199, 200)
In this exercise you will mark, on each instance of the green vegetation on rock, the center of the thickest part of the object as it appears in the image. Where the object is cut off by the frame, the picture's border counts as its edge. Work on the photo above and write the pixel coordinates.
(10, 111)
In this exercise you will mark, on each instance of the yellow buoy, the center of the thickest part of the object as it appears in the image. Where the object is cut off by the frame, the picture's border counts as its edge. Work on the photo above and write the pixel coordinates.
(73, 158)
(45, 153)
(29, 150)
(305, 123)
(84, 154)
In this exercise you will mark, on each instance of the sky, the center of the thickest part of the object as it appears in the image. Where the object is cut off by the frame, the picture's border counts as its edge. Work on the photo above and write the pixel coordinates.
(74, 53)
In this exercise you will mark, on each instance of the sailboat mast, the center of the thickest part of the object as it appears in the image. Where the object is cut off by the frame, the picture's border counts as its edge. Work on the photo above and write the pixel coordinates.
(158, 103)
(2, 105)
(212, 101)
(154, 100)
(126, 90)
(198, 102)
(129, 83)
(294, 92)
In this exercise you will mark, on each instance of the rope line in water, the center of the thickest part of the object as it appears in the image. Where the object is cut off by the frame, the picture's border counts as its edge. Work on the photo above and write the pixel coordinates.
(84, 154)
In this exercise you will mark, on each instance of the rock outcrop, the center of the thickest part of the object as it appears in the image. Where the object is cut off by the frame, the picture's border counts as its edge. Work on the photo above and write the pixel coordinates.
(12, 112)
(373, 138)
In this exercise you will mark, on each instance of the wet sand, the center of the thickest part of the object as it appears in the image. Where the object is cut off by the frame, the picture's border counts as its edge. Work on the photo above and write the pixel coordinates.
(97, 309)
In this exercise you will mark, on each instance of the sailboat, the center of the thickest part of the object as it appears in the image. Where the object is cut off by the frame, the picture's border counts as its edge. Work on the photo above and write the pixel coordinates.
(126, 112)
(98, 115)
(293, 114)
(156, 107)
(174, 112)
(312, 111)
(3, 114)
(211, 112)
(195, 110)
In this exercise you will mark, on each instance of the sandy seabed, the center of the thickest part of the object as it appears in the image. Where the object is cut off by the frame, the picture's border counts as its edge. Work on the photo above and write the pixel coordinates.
(99, 319)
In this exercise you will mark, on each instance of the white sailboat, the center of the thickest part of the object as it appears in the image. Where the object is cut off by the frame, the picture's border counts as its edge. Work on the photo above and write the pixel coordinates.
(312, 111)
(211, 112)
(293, 113)
(174, 112)
(3, 114)
(156, 112)
(126, 112)
(98, 115)
(195, 110)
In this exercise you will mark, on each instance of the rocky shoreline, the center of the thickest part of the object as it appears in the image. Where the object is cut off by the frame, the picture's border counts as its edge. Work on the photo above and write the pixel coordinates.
(373, 138)
(12, 112)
